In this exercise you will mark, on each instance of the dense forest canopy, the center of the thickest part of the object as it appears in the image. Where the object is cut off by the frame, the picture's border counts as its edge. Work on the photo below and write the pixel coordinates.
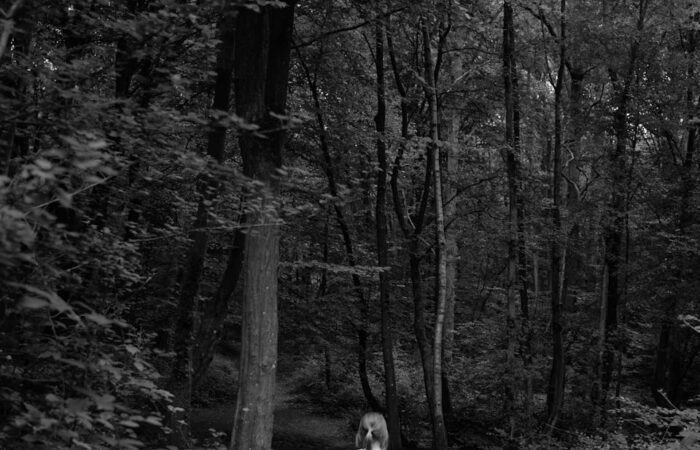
(221, 219)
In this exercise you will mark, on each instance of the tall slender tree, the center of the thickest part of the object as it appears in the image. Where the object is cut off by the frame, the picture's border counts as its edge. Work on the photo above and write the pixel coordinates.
(622, 79)
(412, 226)
(440, 433)
(515, 203)
(555, 392)
(392, 401)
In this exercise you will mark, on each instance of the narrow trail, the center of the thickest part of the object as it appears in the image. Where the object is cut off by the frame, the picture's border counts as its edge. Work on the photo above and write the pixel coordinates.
(295, 427)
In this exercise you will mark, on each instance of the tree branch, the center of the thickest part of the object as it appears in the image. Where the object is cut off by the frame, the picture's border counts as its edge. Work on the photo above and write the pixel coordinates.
(347, 28)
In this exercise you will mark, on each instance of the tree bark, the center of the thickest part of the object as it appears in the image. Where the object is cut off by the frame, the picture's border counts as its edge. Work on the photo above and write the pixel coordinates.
(392, 401)
(263, 43)
(440, 433)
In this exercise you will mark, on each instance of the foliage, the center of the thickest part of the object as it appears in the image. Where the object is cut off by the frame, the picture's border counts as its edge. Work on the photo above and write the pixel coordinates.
(105, 112)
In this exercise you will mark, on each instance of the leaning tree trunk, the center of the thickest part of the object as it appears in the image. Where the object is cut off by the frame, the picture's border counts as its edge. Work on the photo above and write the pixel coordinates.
(263, 43)
(180, 382)
(392, 401)
(215, 311)
(439, 431)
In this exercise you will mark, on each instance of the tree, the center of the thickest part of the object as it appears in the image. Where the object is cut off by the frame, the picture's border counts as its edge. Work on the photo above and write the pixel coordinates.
(439, 434)
(517, 272)
(186, 365)
(392, 401)
(622, 79)
(330, 171)
(555, 391)
(263, 44)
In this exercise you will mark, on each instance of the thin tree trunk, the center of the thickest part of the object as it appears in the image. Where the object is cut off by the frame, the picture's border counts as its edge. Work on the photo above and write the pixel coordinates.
(555, 392)
(15, 43)
(180, 383)
(597, 392)
(392, 402)
(573, 266)
(512, 151)
(9, 26)
(668, 373)
(614, 227)
(412, 227)
(263, 43)
(216, 310)
(362, 334)
(614, 230)
(448, 173)
(440, 433)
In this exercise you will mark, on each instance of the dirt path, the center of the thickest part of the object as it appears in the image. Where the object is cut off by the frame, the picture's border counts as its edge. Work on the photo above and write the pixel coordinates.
(295, 427)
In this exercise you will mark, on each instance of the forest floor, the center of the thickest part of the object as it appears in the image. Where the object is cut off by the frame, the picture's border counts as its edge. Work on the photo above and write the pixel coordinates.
(296, 427)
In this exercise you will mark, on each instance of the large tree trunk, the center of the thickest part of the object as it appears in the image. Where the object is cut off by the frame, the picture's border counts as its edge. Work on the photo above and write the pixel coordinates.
(180, 383)
(439, 431)
(263, 42)
(392, 401)
(555, 392)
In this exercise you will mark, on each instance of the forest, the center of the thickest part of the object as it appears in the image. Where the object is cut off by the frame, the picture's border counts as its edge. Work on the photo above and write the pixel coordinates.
(242, 224)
